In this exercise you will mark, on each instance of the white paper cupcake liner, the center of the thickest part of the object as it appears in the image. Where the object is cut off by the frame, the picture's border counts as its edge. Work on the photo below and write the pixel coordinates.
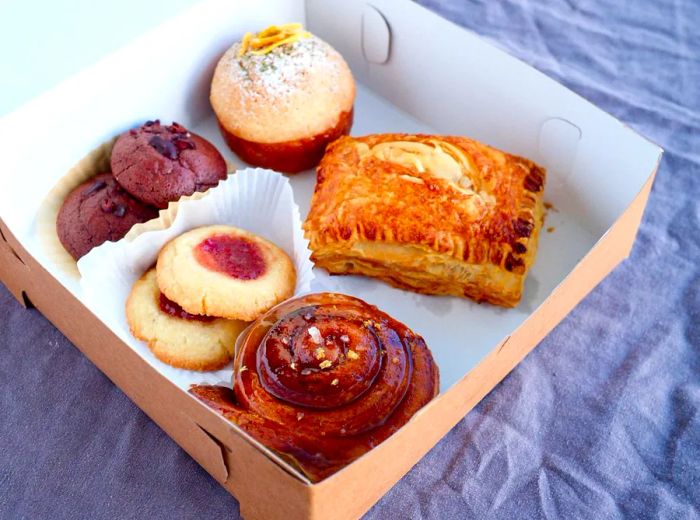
(254, 199)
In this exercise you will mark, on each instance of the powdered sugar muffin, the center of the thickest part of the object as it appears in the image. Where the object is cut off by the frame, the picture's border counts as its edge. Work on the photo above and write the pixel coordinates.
(281, 96)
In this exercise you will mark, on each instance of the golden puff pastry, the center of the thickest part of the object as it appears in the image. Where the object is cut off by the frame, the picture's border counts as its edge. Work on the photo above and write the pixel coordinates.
(432, 214)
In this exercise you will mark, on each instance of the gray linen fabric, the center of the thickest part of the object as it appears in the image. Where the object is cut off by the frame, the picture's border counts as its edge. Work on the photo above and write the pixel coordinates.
(602, 420)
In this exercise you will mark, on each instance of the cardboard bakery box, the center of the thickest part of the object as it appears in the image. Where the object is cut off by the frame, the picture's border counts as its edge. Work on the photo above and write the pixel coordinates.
(416, 73)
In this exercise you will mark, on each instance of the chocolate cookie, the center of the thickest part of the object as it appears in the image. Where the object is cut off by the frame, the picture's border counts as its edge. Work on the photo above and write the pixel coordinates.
(97, 211)
(159, 164)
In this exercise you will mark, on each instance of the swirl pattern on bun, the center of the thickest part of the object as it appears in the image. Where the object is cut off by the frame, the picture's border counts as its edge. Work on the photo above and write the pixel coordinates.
(324, 378)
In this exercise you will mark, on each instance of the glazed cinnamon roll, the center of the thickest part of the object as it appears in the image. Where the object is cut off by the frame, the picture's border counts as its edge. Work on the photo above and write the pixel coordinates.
(324, 378)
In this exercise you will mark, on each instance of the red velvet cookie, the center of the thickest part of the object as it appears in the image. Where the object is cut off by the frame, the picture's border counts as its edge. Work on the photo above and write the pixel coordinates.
(158, 164)
(97, 211)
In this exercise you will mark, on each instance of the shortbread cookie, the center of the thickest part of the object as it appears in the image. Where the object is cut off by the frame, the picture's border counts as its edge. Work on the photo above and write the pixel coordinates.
(176, 337)
(225, 271)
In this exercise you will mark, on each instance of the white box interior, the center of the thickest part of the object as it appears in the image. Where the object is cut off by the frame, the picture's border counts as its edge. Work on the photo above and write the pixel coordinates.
(438, 79)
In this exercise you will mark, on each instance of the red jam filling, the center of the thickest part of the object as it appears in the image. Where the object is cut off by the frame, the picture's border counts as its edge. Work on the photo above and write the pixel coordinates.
(235, 256)
(173, 309)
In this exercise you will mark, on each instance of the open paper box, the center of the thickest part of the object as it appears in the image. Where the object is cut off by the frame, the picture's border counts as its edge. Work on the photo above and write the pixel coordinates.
(416, 73)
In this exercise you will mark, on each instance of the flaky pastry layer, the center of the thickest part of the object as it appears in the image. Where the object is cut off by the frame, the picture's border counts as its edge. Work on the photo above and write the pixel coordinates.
(433, 214)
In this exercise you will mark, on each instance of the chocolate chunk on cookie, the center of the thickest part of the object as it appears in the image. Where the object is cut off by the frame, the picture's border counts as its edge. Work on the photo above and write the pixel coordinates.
(161, 163)
(97, 211)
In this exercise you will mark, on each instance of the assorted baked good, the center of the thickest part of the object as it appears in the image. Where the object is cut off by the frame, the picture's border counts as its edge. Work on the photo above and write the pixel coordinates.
(432, 214)
(158, 163)
(324, 378)
(175, 336)
(280, 96)
(97, 211)
(151, 166)
(225, 271)
(206, 285)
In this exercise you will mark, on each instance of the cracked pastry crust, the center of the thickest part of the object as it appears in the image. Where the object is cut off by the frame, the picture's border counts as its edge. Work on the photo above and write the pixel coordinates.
(250, 287)
(183, 343)
(432, 214)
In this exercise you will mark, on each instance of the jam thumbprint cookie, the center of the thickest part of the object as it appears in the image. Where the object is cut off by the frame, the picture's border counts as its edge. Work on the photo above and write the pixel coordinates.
(176, 337)
(226, 272)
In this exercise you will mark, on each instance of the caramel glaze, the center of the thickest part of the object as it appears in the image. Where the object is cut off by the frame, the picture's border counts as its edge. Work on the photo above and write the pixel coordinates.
(288, 156)
(324, 378)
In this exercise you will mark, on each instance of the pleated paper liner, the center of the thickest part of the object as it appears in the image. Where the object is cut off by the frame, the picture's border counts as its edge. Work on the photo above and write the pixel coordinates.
(165, 217)
(94, 163)
(260, 201)
(97, 161)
